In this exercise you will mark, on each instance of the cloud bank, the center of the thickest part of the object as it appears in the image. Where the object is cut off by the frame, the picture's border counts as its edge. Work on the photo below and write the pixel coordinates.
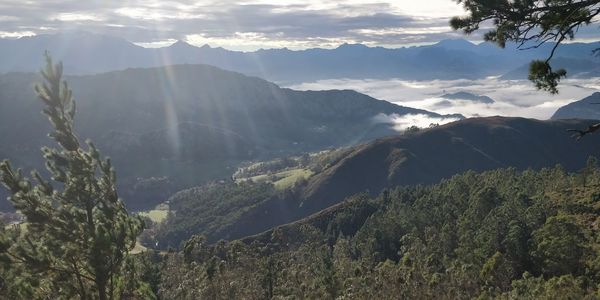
(512, 97)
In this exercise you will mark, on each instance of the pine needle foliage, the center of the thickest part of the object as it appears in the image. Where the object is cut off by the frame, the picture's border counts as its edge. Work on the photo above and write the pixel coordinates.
(77, 233)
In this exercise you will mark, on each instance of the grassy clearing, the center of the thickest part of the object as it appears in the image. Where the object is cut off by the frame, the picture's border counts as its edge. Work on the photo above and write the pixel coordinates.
(292, 176)
(281, 180)
(158, 214)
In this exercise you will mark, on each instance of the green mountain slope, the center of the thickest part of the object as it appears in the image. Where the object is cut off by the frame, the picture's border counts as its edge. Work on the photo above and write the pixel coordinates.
(424, 157)
(501, 234)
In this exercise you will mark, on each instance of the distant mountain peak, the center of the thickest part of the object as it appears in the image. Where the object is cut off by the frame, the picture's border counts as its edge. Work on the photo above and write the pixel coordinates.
(183, 44)
(352, 46)
(455, 44)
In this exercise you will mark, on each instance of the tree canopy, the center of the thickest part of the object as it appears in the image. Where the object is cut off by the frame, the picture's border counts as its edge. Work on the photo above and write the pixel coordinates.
(530, 24)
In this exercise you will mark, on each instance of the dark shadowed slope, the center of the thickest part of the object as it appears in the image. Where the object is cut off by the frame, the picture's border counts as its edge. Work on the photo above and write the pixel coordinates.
(430, 155)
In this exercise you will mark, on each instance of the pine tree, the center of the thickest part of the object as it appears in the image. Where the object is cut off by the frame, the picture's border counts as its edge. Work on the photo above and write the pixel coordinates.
(78, 232)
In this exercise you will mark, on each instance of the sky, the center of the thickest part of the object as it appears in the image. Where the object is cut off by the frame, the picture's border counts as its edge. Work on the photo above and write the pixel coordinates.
(239, 25)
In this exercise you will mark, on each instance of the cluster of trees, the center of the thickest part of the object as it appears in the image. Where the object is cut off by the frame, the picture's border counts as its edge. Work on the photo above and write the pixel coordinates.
(210, 210)
(499, 234)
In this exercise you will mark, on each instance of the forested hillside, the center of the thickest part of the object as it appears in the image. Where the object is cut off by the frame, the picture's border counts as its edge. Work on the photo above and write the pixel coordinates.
(498, 234)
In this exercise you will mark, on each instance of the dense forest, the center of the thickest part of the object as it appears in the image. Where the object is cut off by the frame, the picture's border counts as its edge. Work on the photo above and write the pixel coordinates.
(500, 234)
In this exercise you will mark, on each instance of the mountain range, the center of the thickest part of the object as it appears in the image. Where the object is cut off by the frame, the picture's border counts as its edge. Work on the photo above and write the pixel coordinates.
(87, 53)
(173, 127)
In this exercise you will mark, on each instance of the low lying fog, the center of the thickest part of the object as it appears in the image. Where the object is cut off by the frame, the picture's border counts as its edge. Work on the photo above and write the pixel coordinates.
(402, 122)
(512, 97)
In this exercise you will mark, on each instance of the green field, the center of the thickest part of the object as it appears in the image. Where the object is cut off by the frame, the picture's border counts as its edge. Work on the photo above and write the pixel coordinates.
(282, 180)
(158, 214)
(288, 178)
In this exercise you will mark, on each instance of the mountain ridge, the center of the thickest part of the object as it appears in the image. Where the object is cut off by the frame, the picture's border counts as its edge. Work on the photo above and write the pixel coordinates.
(449, 59)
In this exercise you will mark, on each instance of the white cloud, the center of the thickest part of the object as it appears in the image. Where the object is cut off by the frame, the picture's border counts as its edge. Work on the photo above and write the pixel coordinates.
(429, 8)
(157, 44)
(70, 17)
(513, 97)
(15, 34)
(157, 14)
(402, 30)
(250, 41)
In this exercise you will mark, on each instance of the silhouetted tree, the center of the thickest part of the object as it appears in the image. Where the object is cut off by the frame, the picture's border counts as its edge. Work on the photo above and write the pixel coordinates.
(530, 23)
